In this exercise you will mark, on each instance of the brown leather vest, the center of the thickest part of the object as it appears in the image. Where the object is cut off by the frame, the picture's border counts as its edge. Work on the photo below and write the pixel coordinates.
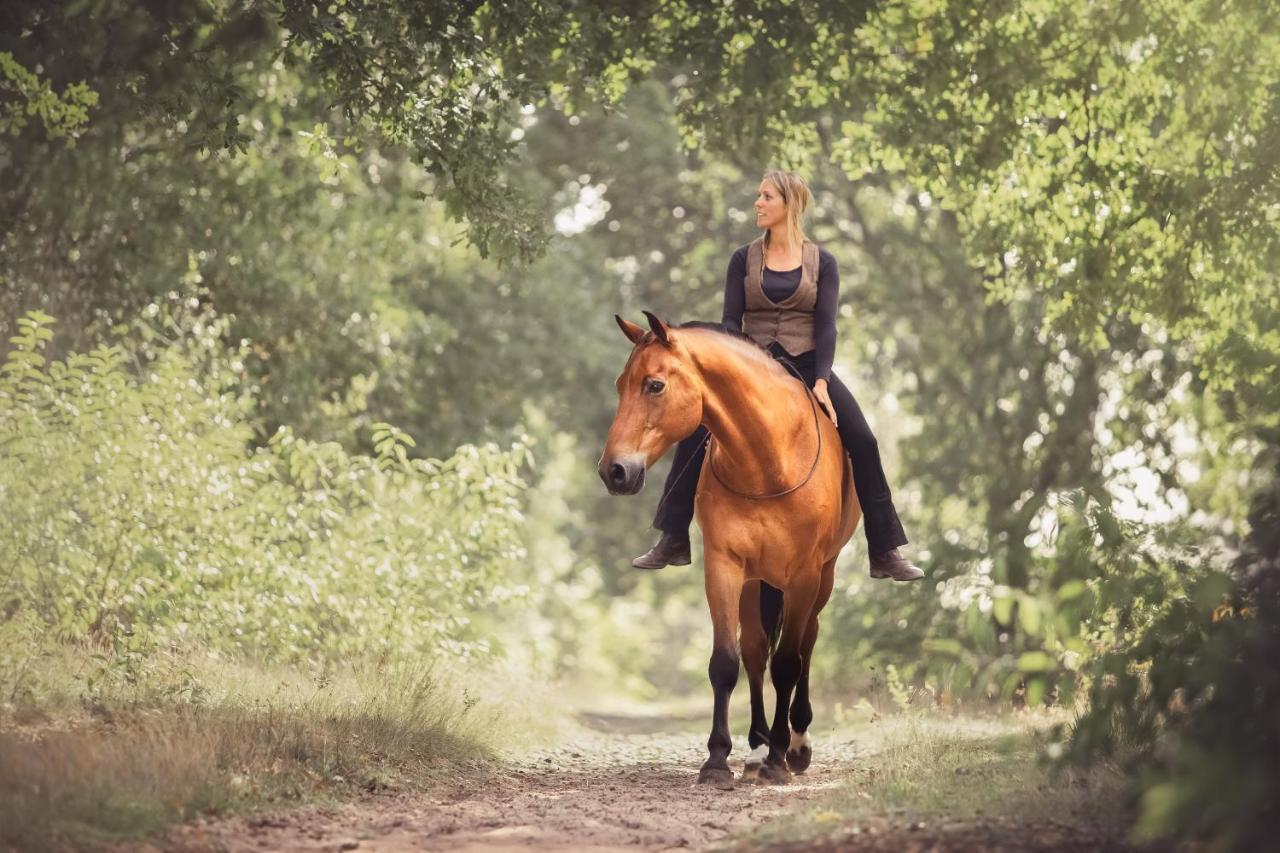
(789, 322)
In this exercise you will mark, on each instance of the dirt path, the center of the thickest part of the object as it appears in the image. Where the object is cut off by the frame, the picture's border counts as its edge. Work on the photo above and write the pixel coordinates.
(607, 791)
(629, 784)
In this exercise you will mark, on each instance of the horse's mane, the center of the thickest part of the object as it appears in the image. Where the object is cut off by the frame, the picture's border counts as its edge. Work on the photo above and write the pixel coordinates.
(758, 348)
(722, 329)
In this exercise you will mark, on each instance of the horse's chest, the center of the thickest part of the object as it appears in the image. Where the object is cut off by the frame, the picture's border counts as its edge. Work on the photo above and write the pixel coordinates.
(767, 544)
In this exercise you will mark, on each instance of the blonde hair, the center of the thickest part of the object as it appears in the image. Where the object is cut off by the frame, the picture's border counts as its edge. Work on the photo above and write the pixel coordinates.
(795, 195)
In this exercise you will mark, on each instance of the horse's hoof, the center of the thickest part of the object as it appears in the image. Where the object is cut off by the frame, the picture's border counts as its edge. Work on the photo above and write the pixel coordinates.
(775, 774)
(799, 753)
(751, 768)
(722, 779)
(798, 760)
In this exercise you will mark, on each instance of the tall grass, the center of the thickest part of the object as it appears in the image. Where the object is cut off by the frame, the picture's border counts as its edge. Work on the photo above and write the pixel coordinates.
(136, 758)
(197, 616)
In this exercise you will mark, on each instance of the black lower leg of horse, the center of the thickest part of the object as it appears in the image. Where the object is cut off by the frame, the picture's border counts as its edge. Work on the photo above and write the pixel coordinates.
(723, 672)
(799, 752)
(755, 654)
(786, 667)
(801, 710)
(724, 582)
(768, 607)
(759, 733)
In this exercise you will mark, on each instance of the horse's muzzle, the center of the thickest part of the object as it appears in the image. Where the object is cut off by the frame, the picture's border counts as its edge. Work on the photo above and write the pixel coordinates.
(623, 475)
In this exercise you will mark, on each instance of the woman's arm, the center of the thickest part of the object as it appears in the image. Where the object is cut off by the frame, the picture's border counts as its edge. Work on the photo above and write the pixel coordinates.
(824, 316)
(735, 291)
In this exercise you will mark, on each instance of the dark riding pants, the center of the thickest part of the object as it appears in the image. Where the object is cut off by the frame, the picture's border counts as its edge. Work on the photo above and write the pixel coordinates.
(880, 519)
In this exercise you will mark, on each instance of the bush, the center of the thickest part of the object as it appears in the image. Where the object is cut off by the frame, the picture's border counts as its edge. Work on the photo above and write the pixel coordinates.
(1095, 580)
(1189, 698)
(142, 507)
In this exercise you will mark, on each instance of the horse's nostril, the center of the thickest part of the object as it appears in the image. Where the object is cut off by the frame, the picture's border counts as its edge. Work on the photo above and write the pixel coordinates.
(617, 474)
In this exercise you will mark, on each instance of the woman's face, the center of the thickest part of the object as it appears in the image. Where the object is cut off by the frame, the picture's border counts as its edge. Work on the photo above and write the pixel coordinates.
(770, 208)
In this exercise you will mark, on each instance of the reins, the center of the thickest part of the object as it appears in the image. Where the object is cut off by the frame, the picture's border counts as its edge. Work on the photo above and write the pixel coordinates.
(817, 456)
(817, 427)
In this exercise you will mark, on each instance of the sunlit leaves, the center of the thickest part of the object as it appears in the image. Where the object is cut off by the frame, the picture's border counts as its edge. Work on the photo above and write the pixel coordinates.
(1092, 153)
(390, 445)
(25, 96)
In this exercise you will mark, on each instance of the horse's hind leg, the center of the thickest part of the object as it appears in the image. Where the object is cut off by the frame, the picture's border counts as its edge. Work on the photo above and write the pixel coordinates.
(799, 751)
(724, 581)
(786, 667)
(755, 653)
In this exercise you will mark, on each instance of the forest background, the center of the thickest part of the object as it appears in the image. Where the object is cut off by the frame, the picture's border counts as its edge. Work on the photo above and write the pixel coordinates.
(311, 349)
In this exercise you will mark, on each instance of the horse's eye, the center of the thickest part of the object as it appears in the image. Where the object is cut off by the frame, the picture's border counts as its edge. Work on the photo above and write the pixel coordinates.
(654, 386)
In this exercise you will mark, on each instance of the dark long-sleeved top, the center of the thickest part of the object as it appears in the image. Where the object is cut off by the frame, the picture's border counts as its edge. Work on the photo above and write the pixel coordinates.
(780, 285)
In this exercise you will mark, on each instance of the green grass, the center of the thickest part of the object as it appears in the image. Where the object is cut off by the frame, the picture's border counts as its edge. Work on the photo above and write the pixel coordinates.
(921, 768)
(128, 760)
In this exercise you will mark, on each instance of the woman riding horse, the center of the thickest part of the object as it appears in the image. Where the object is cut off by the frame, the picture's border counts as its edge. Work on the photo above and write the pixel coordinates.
(775, 509)
(784, 288)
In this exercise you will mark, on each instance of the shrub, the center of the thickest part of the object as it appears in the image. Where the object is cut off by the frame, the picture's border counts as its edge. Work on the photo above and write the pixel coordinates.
(1188, 699)
(143, 506)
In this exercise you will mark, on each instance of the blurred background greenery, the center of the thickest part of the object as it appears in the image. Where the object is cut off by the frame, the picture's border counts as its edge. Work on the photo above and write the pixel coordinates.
(311, 348)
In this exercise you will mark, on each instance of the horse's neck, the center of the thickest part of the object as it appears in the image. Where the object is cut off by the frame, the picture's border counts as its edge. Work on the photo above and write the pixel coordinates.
(758, 419)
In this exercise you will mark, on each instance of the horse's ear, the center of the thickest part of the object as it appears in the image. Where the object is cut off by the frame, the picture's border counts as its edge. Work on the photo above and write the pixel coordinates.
(660, 329)
(633, 332)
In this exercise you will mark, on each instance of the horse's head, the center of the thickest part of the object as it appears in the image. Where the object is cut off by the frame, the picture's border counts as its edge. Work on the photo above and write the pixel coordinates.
(659, 402)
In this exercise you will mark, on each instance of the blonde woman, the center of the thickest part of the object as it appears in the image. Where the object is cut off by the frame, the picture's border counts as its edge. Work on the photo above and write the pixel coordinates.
(782, 289)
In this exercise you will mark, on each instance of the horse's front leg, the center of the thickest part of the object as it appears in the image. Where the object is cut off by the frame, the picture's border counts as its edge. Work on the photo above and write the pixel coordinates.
(786, 666)
(724, 578)
(754, 642)
(800, 752)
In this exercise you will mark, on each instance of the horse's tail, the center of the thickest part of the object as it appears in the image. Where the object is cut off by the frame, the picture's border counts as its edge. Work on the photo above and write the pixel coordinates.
(771, 614)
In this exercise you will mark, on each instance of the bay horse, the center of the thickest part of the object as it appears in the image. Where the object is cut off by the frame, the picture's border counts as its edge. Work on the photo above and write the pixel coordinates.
(775, 504)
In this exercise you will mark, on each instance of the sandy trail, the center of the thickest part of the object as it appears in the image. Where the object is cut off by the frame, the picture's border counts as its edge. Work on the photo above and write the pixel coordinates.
(630, 784)
(607, 791)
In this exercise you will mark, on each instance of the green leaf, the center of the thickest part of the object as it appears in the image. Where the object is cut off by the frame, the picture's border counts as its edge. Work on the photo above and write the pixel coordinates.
(1002, 609)
(943, 646)
(1035, 661)
(1071, 589)
(1029, 616)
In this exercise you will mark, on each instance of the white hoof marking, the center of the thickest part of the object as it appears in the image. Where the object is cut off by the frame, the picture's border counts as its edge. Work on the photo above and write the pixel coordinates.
(758, 755)
(798, 741)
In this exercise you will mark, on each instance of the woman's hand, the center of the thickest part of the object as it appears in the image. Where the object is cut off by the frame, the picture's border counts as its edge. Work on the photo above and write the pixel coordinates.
(820, 389)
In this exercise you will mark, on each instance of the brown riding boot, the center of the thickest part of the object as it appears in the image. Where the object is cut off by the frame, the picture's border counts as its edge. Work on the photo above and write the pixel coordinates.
(891, 564)
(672, 549)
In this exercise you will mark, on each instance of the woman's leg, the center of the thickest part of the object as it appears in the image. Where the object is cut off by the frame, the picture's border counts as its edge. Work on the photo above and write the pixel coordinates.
(675, 508)
(880, 518)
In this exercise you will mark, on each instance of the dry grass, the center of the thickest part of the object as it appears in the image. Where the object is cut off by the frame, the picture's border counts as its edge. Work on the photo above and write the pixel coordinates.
(922, 766)
(125, 765)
